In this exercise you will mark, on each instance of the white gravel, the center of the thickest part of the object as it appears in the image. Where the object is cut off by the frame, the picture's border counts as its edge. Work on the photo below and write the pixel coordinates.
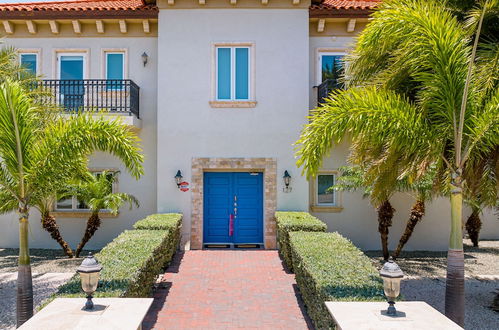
(43, 286)
(479, 295)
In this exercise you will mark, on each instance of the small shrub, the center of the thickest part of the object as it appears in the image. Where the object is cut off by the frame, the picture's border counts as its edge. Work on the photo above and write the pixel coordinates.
(131, 262)
(294, 221)
(329, 267)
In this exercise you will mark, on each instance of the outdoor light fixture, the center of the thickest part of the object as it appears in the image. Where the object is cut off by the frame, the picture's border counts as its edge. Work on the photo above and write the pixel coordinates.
(392, 275)
(145, 58)
(89, 271)
(178, 178)
(287, 181)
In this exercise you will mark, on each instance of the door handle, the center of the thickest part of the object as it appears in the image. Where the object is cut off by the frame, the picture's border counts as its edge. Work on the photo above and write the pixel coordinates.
(235, 206)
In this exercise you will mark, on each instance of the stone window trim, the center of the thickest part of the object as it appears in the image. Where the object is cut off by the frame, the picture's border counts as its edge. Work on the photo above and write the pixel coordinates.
(268, 166)
(314, 206)
(35, 51)
(251, 103)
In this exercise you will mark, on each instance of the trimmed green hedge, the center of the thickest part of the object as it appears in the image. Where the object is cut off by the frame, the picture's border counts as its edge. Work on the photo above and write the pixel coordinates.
(159, 221)
(132, 261)
(328, 267)
(294, 221)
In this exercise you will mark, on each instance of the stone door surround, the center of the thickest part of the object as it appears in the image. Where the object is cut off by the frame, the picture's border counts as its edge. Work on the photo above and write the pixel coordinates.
(268, 166)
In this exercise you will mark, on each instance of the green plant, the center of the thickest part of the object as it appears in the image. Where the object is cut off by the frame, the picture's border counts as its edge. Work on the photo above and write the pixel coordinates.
(96, 192)
(288, 222)
(131, 263)
(37, 155)
(329, 267)
(419, 97)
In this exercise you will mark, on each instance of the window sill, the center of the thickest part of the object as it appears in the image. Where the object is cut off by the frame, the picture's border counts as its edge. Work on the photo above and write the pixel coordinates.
(233, 104)
(326, 209)
(81, 214)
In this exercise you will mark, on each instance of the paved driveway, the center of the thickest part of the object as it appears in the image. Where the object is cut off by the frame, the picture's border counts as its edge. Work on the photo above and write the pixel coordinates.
(227, 289)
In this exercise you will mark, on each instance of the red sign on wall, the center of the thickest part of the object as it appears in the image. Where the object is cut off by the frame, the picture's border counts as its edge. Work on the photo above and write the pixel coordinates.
(184, 186)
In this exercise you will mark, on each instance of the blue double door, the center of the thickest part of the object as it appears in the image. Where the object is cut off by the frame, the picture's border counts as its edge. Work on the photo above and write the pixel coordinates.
(233, 208)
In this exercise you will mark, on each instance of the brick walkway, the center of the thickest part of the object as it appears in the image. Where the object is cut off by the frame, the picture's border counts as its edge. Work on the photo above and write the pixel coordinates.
(227, 289)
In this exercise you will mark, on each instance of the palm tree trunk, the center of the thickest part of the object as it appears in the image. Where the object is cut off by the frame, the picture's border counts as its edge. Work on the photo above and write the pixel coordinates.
(454, 290)
(473, 226)
(385, 216)
(93, 223)
(50, 225)
(24, 281)
(417, 213)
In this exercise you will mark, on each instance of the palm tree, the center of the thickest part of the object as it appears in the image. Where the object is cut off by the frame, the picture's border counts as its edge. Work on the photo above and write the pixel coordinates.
(97, 194)
(419, 95)
(352, 178)
(36, 155)
(481, 191)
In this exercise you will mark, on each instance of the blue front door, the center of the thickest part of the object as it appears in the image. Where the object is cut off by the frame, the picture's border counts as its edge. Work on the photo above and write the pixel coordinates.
(233, 208)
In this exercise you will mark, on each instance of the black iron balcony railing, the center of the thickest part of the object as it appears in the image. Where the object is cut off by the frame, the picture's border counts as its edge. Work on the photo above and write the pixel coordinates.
(114, 96)
(324, 89)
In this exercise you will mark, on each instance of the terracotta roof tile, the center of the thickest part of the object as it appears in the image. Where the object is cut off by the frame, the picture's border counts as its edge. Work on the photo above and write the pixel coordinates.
(76, 7)
(351, 4)
(343, 8)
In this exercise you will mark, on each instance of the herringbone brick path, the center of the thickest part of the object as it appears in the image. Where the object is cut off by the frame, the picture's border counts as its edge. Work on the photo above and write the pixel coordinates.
(227, 289)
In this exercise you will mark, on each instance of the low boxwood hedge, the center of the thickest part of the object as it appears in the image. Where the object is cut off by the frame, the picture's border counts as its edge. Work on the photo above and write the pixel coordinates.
(159, 221)
(328, 267)
(132, 261)
(294, 221)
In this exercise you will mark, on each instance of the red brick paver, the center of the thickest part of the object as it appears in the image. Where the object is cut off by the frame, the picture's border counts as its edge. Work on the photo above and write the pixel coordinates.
(227, 289)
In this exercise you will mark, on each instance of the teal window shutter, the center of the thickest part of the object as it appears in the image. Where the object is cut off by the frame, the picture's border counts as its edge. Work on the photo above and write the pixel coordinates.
(115, 66)
(224, 73)
(28, 61)
(242, 73)
(71, 67)
(114, 70)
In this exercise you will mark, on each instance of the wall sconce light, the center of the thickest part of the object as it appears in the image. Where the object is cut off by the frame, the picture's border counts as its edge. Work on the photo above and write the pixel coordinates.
(145, 58)
(391, 275)
(178, 178)
(287, 181)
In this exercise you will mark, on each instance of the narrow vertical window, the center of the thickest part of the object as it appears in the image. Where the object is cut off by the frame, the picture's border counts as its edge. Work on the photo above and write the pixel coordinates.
(325, 191)
(331, 69)
(242, 73)
(224, 73)
(29, 62)
(115, 70)
(233, 73)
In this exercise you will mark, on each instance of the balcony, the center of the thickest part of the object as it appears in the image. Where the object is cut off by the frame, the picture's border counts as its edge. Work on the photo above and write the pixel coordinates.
(324, 89)
(113, 97)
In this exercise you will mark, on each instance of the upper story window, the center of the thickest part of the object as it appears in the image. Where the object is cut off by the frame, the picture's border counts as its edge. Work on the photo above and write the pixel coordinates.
(233, 73)
(29, 61)
(330, 68)
(114, 68)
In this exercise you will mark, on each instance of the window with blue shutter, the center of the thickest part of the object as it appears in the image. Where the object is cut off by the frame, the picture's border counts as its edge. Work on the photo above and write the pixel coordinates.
(115, 70)
(233, 75)
(28, 61)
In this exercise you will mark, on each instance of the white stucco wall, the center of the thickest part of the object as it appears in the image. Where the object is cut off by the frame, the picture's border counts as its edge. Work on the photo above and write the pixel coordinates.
(188, 127)
(145, 189)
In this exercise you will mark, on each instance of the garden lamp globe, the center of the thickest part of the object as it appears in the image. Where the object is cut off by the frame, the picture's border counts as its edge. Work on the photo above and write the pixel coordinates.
(391, 275)
(89, 271)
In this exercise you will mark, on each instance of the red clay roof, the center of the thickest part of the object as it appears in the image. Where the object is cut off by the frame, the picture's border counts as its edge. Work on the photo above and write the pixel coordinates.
(79, 8)
(351, 4)
(138, 8)
(344, 8)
